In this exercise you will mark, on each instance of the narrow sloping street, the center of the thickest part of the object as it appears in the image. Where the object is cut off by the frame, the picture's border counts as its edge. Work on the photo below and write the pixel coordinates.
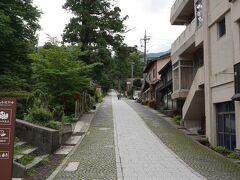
(129, 141)
(142, 154)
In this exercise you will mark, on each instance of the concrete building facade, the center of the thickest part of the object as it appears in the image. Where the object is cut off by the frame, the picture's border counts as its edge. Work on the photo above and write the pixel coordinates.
(205, 61)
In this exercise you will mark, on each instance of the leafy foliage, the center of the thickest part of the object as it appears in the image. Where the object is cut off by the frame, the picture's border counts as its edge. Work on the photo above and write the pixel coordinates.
(39, 115)
(98, 27)
(97, 24)
(137, 83)
(18, 24)
(233, 155)
(221, 149)
(58, 73)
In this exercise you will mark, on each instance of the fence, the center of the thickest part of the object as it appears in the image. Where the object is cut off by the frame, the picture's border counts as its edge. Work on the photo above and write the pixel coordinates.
(82, 104)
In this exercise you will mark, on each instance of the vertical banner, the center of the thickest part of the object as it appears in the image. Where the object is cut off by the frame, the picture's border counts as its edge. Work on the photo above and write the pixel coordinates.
(7, 134)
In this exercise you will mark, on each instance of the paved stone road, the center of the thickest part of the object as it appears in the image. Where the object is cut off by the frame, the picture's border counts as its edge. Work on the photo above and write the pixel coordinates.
(204, 161)
(132, 151)
(142, 154)
(95, 157)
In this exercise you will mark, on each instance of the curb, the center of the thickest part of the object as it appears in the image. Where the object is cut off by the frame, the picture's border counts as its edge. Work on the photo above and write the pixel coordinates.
(58, 169)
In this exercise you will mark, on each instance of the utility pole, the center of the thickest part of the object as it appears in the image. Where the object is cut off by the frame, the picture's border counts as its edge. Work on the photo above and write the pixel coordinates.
(132, 64)
(145, 39)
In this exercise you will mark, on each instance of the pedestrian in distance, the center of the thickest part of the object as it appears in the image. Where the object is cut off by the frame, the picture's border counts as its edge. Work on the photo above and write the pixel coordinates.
(119, 96)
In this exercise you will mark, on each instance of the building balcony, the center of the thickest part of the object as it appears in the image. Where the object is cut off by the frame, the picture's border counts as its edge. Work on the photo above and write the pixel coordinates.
(181, 12)
(182, 79)
(185, 40)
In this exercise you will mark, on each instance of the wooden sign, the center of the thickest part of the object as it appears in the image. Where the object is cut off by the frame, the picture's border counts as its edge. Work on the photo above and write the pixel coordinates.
(7, 134)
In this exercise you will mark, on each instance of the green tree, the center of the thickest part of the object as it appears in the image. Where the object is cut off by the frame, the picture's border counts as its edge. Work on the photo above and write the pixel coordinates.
(58, 72)
(97, 26)
(137, 83)
(18, 24)
(121, 68)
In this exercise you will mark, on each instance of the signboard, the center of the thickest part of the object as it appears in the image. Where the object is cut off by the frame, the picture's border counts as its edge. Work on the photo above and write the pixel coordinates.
(7, 134)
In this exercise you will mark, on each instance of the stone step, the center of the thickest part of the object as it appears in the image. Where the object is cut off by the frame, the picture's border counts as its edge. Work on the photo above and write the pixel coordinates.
(20, 143)
(64, 150)
(29, 151)
(73, 140)
(16, 157)
(35, 161)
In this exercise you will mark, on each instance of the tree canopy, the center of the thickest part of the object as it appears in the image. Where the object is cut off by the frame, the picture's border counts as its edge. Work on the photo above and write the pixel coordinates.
(58, 72)
(18, 24)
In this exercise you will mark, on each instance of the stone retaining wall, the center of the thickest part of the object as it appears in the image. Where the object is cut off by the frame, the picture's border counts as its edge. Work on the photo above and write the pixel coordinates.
(48, 140)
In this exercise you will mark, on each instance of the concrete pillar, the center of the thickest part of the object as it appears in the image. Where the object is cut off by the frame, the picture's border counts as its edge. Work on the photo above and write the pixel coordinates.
(209, 107)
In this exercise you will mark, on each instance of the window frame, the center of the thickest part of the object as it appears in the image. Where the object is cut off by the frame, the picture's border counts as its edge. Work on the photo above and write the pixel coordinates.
(221, 32)
(237, 78)
(224, 111)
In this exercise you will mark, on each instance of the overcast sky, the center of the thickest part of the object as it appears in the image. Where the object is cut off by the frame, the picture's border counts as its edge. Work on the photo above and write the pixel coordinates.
(150, 15)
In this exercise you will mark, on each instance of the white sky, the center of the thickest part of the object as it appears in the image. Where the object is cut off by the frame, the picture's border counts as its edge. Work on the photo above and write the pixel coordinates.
(150, 15)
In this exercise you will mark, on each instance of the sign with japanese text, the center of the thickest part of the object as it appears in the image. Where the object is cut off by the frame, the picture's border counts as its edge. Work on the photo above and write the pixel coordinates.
(7, 134)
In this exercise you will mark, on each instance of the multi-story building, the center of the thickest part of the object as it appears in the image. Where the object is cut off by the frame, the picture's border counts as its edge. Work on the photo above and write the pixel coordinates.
(164, 90)
(152, 77)
(205, 62)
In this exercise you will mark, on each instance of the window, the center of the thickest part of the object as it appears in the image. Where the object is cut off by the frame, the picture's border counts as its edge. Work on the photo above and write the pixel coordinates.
(221, 27)
(182, 75)
(199, 13)
(176, 85)
(226, 128)
(169, 75)
(154, 72)
(237, 78)
(167, 100)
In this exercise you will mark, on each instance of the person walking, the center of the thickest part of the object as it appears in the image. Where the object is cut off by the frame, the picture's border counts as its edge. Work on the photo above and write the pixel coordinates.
(119, 96)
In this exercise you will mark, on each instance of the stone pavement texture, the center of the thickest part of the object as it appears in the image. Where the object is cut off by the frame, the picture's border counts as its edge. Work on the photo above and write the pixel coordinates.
(142, 154)
(95, 157)
(206, 162)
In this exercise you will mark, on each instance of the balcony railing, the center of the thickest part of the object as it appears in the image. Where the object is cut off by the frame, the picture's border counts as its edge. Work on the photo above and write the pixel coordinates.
(185, 36)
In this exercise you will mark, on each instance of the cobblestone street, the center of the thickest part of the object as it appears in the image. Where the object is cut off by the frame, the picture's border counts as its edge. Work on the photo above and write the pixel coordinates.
(128, 141)
(96, 153)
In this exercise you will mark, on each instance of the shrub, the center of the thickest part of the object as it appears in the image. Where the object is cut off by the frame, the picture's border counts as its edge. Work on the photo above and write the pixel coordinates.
(221, 149)
(233, 155)
(39, 115)
(152, 104)
(53, 124)
(26, 159)
(178, 119)
(67, 120)
(58, 113)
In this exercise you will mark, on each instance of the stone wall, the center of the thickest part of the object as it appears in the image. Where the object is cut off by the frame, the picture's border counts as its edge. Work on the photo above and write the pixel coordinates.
(48, 140)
